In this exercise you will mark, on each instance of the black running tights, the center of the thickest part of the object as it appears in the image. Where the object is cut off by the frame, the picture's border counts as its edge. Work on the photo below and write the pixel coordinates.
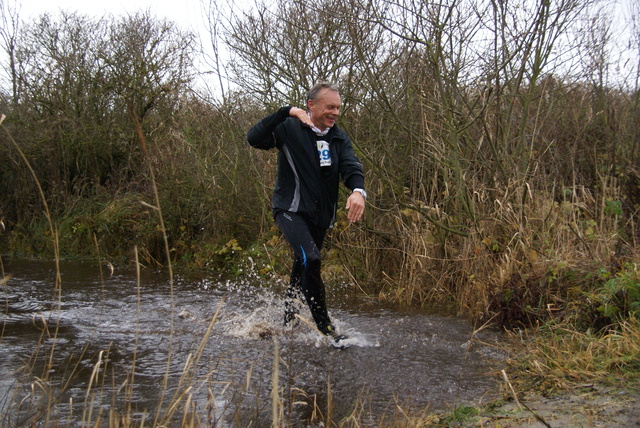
(306, 242)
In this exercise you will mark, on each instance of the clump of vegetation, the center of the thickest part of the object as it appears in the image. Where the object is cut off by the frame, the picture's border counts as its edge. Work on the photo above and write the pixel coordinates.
(558, 357)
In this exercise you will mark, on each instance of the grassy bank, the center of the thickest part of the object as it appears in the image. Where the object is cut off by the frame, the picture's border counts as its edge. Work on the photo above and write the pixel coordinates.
(560, 375)
(572, 258)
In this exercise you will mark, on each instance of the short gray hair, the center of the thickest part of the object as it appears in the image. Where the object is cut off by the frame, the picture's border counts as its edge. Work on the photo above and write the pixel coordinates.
(315, 91)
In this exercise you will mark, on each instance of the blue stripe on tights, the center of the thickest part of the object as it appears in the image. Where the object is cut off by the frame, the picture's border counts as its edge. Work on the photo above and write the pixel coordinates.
(304, 257)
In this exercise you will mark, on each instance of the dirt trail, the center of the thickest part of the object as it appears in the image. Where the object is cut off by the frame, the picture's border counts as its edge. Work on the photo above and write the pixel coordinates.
(591, 406)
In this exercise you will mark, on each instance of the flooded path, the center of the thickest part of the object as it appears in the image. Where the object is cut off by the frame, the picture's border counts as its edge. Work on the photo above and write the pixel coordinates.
(122, 343)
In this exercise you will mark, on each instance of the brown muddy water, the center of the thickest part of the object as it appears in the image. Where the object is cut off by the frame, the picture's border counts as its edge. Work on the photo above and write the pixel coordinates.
(144, 335)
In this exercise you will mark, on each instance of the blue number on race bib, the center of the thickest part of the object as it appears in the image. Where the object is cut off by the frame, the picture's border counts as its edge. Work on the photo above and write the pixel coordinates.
(324, 153)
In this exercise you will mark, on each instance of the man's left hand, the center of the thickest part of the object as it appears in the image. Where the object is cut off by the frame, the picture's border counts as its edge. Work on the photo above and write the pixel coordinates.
(355, 207)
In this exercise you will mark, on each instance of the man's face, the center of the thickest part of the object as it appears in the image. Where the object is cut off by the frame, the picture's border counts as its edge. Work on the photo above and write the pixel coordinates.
(325, 109)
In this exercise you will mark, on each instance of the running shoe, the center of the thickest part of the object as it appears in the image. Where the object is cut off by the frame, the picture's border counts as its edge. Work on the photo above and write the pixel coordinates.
(332, 334)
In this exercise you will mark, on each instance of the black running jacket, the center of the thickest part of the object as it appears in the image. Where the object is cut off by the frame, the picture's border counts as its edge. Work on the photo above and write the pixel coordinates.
(301, 186)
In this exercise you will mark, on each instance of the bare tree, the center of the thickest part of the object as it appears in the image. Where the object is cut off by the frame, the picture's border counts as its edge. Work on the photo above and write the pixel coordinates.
(9, 29)
(280, 51)
(81, 77)
(147, 60)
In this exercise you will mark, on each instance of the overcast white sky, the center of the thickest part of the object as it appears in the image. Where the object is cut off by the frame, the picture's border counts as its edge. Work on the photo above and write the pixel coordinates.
(187, 13)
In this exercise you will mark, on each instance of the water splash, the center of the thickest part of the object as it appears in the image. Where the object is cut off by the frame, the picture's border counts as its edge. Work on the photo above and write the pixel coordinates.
(360, 339)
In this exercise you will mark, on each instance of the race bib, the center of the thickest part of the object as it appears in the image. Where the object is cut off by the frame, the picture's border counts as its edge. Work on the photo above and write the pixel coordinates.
(324, 153)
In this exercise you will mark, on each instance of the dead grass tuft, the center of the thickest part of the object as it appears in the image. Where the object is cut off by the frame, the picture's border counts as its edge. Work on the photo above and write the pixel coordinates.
(558, 357)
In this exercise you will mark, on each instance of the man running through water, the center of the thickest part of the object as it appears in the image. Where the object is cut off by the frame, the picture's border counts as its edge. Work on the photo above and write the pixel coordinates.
(313, 155)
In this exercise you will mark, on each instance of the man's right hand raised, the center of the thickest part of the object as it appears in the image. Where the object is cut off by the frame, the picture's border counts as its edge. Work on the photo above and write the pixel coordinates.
(301, 115)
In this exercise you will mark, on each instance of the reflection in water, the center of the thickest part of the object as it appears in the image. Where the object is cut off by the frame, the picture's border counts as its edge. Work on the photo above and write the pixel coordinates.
(113, 348)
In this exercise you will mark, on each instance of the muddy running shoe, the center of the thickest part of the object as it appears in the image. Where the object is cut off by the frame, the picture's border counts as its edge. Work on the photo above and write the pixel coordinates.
(336, 339)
